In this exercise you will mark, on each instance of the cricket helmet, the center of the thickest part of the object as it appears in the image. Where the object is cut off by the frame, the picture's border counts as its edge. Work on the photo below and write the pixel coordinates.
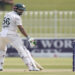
(19, 7)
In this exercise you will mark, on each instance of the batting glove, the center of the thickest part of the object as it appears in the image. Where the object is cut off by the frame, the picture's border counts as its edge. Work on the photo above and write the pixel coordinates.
(32, 42)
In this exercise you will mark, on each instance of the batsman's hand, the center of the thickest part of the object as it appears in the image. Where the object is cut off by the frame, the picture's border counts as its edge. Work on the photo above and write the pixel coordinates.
(32, 42)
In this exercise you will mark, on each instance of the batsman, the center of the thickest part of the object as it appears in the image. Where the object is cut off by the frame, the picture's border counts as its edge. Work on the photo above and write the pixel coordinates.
(9, 35)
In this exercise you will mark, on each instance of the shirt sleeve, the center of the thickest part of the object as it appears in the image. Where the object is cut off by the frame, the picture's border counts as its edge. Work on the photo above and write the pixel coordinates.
(18, 21)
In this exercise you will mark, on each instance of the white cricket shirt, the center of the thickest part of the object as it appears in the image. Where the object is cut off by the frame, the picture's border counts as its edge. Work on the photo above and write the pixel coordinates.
(10, 22)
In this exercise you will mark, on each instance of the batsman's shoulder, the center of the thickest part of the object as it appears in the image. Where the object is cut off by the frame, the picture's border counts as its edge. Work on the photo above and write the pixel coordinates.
(18, 17)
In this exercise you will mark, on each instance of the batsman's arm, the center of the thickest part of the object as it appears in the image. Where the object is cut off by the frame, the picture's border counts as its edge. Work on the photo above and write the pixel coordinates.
(22, 30)
(31, 40)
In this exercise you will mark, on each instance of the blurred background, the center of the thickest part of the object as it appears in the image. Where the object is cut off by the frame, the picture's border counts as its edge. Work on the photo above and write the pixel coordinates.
(40, 5)
(50, 22)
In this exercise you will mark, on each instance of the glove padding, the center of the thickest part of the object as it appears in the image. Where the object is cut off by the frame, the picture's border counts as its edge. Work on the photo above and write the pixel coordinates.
(32, 42)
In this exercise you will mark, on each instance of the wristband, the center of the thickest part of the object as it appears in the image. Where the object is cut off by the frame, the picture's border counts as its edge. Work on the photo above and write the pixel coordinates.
(28, 37)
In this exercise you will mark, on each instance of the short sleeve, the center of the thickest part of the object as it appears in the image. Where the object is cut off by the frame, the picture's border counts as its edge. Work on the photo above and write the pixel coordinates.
(18, 21)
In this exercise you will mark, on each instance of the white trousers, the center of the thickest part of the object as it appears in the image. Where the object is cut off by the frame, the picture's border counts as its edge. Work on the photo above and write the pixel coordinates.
(17, 43)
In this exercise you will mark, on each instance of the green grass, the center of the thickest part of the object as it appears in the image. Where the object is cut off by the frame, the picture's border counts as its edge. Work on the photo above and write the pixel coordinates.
(53, 63)
(47, 63)
(48, 4)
